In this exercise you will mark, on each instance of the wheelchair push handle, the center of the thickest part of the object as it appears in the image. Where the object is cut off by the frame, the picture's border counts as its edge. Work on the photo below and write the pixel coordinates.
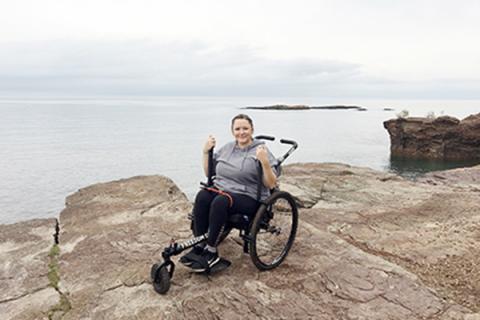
(210, 168)
(285, 141)
(264, 137)
(294, 145)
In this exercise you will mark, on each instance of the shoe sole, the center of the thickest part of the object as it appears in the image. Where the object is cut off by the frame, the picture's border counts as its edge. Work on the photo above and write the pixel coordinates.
(187, 263)
(210, 265)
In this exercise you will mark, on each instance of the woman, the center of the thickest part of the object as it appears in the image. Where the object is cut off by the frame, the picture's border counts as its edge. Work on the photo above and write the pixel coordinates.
(235, 189)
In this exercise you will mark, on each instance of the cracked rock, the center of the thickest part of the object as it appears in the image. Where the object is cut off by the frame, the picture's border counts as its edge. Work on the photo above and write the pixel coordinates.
(25, 291)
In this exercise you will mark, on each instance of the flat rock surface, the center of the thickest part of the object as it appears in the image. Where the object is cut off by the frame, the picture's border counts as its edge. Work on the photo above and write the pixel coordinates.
(25, 291)
(468, 178)
(370, 245)
(430, 227)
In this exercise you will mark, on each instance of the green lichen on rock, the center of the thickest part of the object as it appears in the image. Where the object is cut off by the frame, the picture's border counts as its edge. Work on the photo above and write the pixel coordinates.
(58, 310)
(63, 306)
(53, 272)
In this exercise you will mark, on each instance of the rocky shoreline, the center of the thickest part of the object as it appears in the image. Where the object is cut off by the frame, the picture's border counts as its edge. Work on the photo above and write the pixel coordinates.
(370, 245)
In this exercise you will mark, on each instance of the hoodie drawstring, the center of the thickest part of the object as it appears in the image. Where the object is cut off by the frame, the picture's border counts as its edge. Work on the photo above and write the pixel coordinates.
(223, 193)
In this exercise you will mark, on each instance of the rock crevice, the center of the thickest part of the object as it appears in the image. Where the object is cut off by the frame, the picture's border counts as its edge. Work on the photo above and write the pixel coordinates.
(63, 306)
(23, 295)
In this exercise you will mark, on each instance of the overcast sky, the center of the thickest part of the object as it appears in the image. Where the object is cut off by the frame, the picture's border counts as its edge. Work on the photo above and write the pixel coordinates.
(339, 48)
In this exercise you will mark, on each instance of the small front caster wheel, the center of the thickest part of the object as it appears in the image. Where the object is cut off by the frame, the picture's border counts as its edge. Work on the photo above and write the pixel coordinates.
(160, 278)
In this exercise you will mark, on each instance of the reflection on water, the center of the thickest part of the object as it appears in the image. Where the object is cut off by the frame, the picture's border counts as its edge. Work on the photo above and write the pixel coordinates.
(412, 168)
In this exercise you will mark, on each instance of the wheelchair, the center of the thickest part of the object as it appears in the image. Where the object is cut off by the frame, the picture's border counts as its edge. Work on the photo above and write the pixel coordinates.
(267, 236)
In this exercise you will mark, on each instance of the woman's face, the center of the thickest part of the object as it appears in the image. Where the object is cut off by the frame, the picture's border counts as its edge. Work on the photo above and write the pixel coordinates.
(242, 131)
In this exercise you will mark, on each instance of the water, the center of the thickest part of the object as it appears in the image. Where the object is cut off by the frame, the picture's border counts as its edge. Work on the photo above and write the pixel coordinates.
(51, 148)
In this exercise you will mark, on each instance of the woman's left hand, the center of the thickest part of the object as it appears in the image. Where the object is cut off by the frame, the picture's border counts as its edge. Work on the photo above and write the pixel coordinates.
(262, 154)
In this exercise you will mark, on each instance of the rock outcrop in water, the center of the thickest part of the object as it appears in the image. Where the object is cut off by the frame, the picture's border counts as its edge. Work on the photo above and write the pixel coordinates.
(370, 245)
(437, 138)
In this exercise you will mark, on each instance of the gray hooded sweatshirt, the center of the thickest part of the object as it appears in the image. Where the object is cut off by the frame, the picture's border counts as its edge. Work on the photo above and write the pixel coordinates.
(236, 169)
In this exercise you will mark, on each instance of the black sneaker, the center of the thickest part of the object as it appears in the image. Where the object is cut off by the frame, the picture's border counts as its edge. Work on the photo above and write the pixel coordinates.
(205, 261)
(188, 258)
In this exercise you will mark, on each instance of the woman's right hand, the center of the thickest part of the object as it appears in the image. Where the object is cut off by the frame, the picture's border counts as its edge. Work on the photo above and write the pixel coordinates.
(209, 144)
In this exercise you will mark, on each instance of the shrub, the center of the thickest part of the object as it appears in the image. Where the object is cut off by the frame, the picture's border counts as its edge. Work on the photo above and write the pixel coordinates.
(431, 115)
(403, 114)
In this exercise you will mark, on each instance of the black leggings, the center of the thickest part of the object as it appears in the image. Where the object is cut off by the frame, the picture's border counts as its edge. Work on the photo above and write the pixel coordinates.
(211, 211)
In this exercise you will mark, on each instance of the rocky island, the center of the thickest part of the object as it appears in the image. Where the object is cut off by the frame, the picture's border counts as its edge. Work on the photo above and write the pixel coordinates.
(370, 245)
(305, 107)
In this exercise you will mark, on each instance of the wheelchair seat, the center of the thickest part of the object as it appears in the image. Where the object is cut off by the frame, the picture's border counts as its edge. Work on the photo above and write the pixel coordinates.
(238, 221)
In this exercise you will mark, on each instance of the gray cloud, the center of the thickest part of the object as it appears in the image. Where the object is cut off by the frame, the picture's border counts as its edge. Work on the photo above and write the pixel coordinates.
(143, 67)
(130, 67)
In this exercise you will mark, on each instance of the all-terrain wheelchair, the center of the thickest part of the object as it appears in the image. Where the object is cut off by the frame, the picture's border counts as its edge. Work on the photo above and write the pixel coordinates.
(267, 236)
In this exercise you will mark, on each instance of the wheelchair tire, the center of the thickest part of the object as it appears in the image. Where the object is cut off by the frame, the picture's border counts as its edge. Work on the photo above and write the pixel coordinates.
(224, 234)
(160, 278)
(273, 231)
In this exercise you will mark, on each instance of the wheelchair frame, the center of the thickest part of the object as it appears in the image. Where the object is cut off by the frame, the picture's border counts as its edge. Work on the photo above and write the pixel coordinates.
(248, 228)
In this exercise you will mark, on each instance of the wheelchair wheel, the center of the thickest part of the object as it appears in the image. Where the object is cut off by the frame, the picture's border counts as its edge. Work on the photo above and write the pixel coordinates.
(160, 278)
(273, 230)
(224, 234)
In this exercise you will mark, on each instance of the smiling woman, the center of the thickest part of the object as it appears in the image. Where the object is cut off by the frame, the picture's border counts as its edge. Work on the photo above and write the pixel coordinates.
(235, 188)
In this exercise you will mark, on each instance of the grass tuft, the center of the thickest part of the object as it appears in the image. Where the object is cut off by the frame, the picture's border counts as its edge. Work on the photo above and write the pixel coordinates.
(63, 306)
(53, 271)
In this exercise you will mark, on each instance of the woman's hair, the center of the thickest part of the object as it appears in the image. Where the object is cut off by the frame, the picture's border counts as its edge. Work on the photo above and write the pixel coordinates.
(242, 116)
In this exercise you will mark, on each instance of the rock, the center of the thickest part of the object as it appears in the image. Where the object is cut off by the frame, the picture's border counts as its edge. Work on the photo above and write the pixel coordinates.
(340, 108)
(111, 233)
(429, 229)
(281, 107)
(25, 288)
(460, 177)
(305, 107)
(370, 245)
(440, 138)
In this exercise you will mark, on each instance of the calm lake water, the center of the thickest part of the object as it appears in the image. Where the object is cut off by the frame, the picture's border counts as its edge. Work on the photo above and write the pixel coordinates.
(51, 148)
